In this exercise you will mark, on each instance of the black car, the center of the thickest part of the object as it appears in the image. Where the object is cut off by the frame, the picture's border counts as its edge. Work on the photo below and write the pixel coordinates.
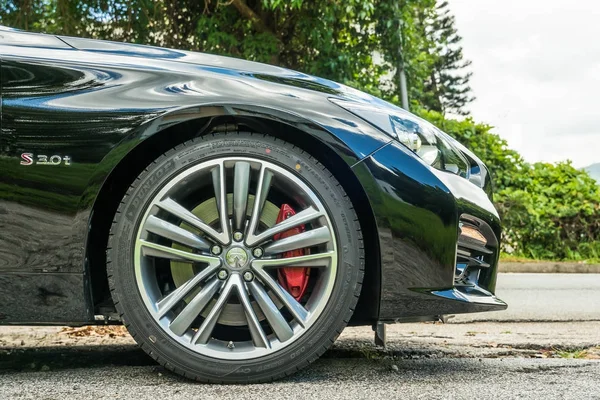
(234, 216)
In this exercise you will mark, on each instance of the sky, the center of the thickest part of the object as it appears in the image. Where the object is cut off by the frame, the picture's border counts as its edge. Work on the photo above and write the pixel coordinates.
(536, 74)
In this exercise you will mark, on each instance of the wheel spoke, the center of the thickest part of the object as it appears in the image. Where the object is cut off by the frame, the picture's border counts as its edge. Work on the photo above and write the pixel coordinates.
(191, 311)
(241, 181)
(298, 312)
(175, 233)
(186, 216)
(256, 331)
(262, 190)
(205, 330)
(218, 178)
(182, 291)
(302, 217)
(302, 240)
(160, 251)
(310, 260)
(282, 329)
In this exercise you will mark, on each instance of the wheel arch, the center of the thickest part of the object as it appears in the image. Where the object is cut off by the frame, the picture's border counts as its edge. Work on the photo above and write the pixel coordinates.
(172, 129)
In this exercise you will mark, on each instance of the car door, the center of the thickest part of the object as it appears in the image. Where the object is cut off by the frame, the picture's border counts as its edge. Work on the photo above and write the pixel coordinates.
(41, 267)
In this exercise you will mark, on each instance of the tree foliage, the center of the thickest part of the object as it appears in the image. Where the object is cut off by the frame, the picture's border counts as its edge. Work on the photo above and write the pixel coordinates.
(447, 87)
(553, 214)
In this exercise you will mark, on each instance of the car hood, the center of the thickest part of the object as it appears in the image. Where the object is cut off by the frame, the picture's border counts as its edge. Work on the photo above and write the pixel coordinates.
(238, 67)
(235, 65)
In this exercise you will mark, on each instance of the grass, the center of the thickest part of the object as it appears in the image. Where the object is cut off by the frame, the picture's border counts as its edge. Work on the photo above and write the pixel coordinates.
(520, 259)
(474, 333)
(371, 353)
(572, 354)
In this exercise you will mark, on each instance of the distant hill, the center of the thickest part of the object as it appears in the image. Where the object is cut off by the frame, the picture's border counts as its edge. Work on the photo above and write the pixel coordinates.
(594, 171)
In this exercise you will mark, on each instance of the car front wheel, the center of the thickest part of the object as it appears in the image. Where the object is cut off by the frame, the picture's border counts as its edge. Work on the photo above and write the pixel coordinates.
(235, 257)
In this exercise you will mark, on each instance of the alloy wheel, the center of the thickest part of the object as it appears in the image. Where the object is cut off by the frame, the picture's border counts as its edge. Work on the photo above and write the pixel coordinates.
(233, 258)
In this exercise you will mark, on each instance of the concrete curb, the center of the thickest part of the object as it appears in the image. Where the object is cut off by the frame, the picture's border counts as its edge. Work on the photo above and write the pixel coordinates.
(549, 267)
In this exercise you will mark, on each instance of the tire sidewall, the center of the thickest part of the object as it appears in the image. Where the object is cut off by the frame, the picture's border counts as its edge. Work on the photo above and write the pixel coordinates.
(149, 333)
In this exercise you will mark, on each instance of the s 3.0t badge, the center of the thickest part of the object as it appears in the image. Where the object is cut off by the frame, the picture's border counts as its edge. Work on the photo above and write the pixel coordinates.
(42, 159)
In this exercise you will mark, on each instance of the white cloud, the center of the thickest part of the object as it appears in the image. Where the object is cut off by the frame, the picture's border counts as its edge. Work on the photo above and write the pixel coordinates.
(536, 74)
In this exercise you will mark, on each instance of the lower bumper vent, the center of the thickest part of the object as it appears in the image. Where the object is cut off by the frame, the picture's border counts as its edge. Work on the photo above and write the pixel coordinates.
(475, 252)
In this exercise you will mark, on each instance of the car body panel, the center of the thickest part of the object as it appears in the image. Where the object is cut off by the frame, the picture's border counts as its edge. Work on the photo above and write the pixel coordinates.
(95, 101)
(417, 216)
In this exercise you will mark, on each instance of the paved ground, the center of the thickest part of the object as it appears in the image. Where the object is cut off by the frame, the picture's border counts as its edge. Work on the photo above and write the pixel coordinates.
(330, 379)
(514, 358)
(545, 297)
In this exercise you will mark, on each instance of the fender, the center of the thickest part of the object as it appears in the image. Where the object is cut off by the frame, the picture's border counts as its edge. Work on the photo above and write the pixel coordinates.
(351, 140)
(333, 133)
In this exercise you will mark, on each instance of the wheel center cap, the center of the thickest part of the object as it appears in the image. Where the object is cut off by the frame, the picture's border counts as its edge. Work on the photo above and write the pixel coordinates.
(236, 257)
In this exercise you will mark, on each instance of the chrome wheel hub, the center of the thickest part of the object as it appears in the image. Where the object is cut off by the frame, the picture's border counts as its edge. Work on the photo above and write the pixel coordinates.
(229, 304)
(236, 258)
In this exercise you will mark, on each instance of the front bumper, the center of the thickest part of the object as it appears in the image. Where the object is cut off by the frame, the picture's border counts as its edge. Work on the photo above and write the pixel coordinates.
(426, 269)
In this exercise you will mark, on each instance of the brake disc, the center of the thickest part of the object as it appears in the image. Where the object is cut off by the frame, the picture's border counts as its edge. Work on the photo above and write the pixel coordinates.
(233, 313)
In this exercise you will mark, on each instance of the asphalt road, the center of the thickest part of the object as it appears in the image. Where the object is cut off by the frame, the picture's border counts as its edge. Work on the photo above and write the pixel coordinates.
(511, 356)
(329, 379)
(545, 297)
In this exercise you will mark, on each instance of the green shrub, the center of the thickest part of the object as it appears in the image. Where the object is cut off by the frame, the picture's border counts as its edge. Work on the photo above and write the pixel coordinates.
(554, 215)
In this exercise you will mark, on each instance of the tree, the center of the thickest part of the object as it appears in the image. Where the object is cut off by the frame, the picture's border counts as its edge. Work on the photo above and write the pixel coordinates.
(23, 14)
(446, 88)
(400, 43)
(420, 35)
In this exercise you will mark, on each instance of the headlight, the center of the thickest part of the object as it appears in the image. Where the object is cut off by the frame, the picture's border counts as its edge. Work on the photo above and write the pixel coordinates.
(424, 139)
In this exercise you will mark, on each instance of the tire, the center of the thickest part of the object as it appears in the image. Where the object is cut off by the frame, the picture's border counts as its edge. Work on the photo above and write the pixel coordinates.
(139, 274)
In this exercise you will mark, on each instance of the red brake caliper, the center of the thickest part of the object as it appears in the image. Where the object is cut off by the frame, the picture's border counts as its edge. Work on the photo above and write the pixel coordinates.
(294, 280)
